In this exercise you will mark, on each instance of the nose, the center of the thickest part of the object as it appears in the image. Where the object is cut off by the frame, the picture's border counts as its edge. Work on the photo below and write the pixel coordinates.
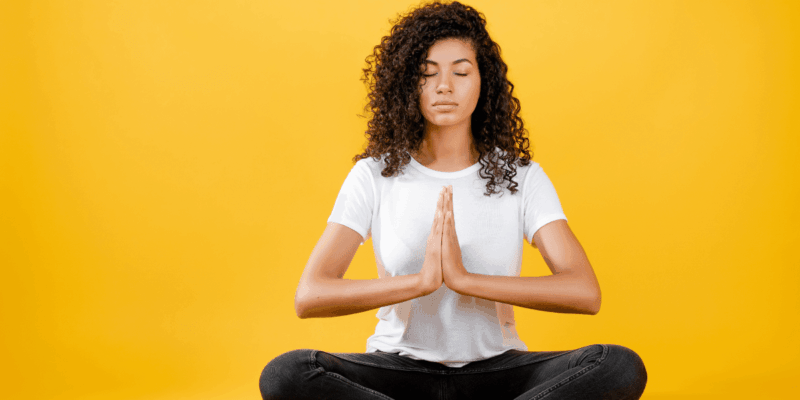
(444, 85)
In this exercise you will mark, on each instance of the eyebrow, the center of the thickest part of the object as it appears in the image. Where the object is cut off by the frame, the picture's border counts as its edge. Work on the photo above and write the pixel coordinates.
(454, 62)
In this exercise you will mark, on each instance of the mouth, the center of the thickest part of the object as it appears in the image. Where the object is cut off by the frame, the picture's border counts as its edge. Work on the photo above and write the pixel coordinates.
(445, 107)
(445, 103)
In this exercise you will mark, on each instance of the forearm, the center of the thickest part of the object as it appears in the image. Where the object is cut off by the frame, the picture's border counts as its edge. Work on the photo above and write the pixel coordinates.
(333, 297)
(561, 293)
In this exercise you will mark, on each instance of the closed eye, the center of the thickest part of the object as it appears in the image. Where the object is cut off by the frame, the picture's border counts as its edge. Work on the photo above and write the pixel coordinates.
(456, 74)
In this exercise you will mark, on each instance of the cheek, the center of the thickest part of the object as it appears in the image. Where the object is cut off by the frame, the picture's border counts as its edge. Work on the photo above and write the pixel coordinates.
(475, 91)
(423, 91)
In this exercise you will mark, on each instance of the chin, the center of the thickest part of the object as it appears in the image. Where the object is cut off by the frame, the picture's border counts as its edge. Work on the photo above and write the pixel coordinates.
(446, 121)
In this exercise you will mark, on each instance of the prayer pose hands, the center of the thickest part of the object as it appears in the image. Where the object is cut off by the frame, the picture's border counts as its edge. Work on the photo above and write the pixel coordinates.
(442, 253)
(452, 265)
(431, 272)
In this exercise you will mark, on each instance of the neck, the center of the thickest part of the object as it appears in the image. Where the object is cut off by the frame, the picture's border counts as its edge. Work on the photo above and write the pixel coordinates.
(447, 145)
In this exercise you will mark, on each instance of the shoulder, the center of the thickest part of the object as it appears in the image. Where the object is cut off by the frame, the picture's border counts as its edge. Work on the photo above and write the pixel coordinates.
(522, 170)
(370, 166)
(368, 172)
(370, 162)
(528, 174)
(376, 166)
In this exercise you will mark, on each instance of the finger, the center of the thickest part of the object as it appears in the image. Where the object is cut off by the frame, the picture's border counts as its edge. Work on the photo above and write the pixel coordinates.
(441, 211)
(450, 199)
(451, 226)
(437, 214)
(440, 204)
(446, 199)
(440, 232)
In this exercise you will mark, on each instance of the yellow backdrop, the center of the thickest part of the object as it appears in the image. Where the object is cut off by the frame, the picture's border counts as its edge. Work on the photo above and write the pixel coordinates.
(167, 167)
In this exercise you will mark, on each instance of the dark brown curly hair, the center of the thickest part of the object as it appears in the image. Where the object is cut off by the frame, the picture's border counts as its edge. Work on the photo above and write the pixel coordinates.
(392, 75)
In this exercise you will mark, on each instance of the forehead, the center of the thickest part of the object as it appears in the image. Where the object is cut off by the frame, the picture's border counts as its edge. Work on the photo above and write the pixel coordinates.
(446, 51)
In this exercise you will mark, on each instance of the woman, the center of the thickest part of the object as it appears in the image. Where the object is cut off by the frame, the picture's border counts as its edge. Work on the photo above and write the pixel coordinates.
(443, 110)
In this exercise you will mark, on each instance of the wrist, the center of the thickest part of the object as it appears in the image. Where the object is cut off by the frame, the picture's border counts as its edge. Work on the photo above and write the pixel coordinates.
(421, 285)
(459, 281)
(463, 282)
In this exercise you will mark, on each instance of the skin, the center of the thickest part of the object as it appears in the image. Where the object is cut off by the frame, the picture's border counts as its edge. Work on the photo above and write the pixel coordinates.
(447, 146)
(450, 73)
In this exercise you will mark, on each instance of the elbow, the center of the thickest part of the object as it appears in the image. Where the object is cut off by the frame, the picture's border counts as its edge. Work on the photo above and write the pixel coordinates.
(301, 307)
(594, 308)
(586, 295)
(307, 301)
(591, 296)
(594, 303)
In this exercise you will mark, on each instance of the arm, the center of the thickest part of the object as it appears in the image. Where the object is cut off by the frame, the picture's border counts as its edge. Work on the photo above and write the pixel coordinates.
(322, 292)
(332, 297)
(573, 287)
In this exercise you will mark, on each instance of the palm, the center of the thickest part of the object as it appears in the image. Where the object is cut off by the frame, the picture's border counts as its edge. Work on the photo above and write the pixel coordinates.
(452, 265)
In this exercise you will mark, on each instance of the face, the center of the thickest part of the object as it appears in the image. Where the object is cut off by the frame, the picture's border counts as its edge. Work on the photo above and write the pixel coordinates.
(450, 76)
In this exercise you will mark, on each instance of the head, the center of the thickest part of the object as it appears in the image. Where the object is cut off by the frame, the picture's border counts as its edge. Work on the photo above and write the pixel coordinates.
(404, 83)
(451, 83)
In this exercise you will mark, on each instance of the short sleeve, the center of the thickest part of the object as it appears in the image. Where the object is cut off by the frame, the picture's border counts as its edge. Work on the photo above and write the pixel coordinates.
(540, 202)
(354, 204)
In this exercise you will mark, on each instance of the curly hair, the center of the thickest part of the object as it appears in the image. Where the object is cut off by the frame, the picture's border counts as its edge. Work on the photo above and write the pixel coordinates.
(391, 76)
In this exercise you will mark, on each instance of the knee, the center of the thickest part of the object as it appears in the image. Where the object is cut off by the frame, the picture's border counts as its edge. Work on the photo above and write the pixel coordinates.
(587, 355)
(627, 371)
(279, 378)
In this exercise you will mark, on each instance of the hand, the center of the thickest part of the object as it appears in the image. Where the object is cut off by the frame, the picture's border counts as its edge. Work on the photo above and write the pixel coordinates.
(431, 272)
(452, 266)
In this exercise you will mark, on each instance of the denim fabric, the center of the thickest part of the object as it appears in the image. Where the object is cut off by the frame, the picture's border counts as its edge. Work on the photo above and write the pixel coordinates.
(599, 371)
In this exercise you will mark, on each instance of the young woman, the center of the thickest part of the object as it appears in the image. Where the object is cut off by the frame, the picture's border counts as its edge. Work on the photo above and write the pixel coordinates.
(444, 134)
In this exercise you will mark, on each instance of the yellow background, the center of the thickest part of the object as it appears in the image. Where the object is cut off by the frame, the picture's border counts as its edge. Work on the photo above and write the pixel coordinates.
(166, 168)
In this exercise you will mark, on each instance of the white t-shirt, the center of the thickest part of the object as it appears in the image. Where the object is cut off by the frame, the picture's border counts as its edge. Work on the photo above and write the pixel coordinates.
(444, 326)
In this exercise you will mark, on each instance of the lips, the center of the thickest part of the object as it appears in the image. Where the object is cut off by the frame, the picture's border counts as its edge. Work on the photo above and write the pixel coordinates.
(445, 103)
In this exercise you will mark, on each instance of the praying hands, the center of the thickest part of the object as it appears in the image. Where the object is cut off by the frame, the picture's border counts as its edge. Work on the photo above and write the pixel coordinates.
(443, 263)
(453, 270)
(572, 288)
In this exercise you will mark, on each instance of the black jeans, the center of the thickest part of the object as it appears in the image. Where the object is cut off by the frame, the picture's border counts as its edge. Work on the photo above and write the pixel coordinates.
(599, 371)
